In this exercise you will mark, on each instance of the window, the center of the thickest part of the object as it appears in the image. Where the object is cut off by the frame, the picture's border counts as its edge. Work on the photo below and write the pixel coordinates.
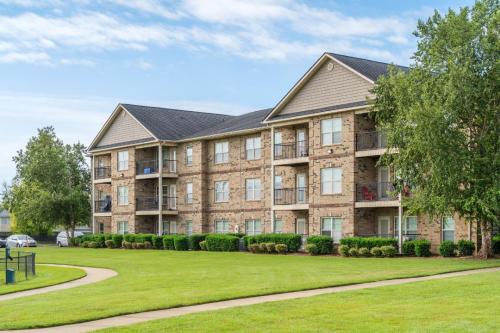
(222, 152)
(332, 226)
(169, 227)
(278, 148)
(252, 227)
(189, 227)
(122, 160)
(331, 180)
(278, 183)
(253, 189)
(253, 148)
(101, 228)
(410, 227)
(301, 227)
(331, 131)
(222, 226)
(122, 195)
(222, 191)
(449, 229)
(189, 155)
(189, 193)
(123, 227)
(278, 226)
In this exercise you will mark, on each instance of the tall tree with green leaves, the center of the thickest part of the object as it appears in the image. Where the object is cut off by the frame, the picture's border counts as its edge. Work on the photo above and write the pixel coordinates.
(51, 187)
(443, 117)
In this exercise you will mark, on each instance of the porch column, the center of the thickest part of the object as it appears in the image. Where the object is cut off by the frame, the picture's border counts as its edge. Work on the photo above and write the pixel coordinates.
(272, 179)
(92, 170)
(160, 188)
(400, 224)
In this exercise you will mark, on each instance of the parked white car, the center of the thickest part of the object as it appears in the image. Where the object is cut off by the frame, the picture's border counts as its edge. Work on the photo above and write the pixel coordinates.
(20, 241)
(62, 238)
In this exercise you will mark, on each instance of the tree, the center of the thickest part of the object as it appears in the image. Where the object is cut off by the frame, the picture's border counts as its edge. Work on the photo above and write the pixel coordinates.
(442, 115)
(51, 187)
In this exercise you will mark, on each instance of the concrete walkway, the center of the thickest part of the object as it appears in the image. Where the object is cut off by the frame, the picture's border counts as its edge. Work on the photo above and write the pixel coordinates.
(130, 319)
(93, 275)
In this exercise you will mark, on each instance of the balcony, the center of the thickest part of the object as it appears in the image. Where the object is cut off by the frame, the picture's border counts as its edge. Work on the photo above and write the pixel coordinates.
(150, 205)
(291, 153)
(102, 173)
(169, 167)
(103, 206)
(169, 203)
(291, 198)
(372, 143)
(376, 194)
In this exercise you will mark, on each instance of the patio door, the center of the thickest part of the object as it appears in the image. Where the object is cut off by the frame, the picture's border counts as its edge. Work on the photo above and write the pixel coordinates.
(301, 142)
(383, 187)
(384, 223)
(301, 188)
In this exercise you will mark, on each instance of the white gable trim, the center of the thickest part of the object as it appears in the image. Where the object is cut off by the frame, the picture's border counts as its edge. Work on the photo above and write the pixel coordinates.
(350, 69)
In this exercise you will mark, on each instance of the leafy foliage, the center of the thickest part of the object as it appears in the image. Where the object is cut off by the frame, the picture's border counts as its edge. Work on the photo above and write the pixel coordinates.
(324, 244)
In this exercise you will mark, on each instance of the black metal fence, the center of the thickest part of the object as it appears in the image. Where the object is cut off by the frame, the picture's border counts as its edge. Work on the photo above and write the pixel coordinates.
(290, 196)
(23, 263)
(102, 172)
(375, 191)
(371, 140)
(291, 150)
(146, 167)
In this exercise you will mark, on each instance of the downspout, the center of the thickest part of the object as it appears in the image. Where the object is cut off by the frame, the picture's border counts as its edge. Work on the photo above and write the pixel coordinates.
(160, 189)
(400, 223)
(92, 163)
(272, 179)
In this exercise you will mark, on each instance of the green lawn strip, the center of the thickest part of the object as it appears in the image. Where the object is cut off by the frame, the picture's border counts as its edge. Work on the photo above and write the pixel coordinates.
(152, 279)
(461, 304)
(45, 276)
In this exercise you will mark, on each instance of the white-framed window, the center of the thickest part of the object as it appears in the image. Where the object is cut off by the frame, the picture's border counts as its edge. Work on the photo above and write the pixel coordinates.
(301, 226)
(278, 148)
(278, 226)
(331, 131)
(189, 193)
(448, 229)
(252, 227)
(123, 227)
(222, 152)
(222, 191)
(409, 227)
(332, 226)
(169, 227)
(189, 227)
(189, 155)
(253, 148)
(278, 185)
(253, 187)
(221, 226)
(122, 195)
(123, 160)
(331, 180)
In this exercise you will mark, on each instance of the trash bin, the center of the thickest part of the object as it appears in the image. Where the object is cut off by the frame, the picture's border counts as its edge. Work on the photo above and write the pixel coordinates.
(10, 276)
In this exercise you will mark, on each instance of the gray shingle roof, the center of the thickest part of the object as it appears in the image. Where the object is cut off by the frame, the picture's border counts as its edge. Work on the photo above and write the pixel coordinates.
(370, 68)
(319, 110)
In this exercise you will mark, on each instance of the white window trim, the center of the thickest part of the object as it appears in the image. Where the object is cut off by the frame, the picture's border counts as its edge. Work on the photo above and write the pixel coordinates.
(274, 226)
(255, 193)
(225, 194)
(335, 235)
(224, 153)
(120, 162)
(120, 196)
(443, 228)
(122, 227)
(330, 190)
(189, 194)
(253, 229)
(189, 230)
(256, 151)
(332, 133)
(189, 158)
(225, 226)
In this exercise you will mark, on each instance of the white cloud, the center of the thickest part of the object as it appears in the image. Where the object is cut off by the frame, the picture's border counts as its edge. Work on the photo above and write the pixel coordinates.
(84, 62)
(150, 7)
(32, 58)
(142, 64)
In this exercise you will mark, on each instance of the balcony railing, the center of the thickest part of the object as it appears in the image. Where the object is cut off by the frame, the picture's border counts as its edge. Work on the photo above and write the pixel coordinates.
(371, 140)
(169, 166)
(151, 203)
(290, 196)
(146, 167)
(376, 191)
(169, 203)
(102, 172)
(291, 150)
(406, 235)
(102, 206)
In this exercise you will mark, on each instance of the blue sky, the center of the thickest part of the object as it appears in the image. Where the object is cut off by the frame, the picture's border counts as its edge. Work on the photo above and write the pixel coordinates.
(67, 63)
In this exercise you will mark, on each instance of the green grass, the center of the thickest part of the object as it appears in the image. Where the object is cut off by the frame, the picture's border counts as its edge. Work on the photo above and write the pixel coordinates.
(152, 279)
(462, 304)
(45, 276)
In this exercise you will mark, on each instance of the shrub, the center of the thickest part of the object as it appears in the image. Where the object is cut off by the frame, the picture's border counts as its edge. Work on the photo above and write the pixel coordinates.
(388, 251)
(292, 241)
(181, 243)
(254, 248)
(364, 252)
(117, 240)
(422, 248)
(465, 247)
(263, 247)
(312, 249)
(108, 236)
(281, 248)
(376, 251)
(93, 245)
(157, 242)
(109, 243)
(495, 244)
(85, 244)
(408, 248)
(129, 237)
(447, 248)
(323, 243)
(216, 242)
(148, 245)
(368, 242)
(127, 245)
(139, 246)
(134, 245)
(270, 247)
(194, 241)
(203, 245)
(168, 242)
(353, 252)
(344, 250)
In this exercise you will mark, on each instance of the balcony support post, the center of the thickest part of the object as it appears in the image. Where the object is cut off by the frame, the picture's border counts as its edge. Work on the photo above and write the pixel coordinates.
(272, 179)
(400, 224)
(160, 188)
(92, 164)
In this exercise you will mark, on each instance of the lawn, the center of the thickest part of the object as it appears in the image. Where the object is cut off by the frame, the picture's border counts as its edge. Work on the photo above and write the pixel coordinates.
(45, 276)
(462, 304)
(152, 279)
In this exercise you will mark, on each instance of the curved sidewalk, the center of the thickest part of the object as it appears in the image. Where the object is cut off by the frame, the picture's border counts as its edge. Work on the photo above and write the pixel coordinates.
(135, 318)
(93, 275)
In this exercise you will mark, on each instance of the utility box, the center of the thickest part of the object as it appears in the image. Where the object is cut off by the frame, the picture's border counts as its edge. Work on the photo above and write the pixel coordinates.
(10, 276)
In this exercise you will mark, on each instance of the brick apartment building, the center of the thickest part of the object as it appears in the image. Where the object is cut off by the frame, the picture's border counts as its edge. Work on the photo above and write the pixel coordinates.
(307, 166)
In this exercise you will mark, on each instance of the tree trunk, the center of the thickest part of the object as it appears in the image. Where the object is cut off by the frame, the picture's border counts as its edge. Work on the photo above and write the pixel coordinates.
(486, 249)
(72, 226)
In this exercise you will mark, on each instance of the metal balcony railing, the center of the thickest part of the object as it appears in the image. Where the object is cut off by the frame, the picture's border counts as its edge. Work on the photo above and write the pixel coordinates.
(290, 196)
(102, 172)
(375, 191)
(371, 140)
(146, 167)
(146, 203)
(102, 206)
(169, 203)
(169, 166)
(291, 150)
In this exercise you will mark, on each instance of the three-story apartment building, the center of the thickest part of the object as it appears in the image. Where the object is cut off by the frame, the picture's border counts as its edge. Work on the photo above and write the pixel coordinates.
(308, 166)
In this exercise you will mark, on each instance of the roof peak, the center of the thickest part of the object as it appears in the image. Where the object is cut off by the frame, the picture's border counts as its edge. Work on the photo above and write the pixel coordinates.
(359, 58)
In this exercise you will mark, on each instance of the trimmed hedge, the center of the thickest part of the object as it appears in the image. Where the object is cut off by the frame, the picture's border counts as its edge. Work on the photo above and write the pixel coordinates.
(292, 241)
(324, 244)
(388, 251)
(117, 240)
(408, 248)
(168, 242)
(368, 242)
(181, 243)
(312, 249)
(221, 242)
(422, 248)
(447, 249)
(465, 247)
(194, 241)
(157, 242)
(495, 243)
